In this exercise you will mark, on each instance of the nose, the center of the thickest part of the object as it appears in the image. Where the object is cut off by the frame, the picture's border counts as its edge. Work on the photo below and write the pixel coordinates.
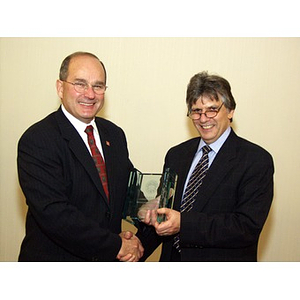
(89, 92)
(203, 118)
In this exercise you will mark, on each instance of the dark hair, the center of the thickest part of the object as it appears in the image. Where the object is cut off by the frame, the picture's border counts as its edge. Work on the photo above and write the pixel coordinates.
(212, 86)
(64, 68)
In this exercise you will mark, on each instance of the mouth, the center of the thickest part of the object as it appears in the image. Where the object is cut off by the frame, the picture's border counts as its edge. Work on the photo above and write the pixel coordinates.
(86, 104)
(207, 126)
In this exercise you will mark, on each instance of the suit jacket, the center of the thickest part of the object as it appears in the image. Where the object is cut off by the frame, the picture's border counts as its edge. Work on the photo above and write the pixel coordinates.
(69, 217)
(231, 207)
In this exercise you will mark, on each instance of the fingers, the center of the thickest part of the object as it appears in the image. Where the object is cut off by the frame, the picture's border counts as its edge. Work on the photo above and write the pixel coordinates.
(127, 258)
(163, 210)
(150, 205)
(153, 218)
(150, 216)
(147, 219)
(168, 227)
(171, 225)
(131, 249)
(126, 234)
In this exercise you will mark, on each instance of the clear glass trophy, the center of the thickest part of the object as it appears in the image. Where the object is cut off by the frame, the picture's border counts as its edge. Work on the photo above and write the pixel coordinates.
(148, 191)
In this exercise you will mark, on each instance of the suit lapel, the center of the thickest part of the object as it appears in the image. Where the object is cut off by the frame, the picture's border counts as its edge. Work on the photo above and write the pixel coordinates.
(183, 166)
(222, 164)
(79, 149)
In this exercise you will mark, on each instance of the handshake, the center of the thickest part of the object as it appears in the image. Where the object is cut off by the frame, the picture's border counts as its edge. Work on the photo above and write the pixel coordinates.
(132, 249)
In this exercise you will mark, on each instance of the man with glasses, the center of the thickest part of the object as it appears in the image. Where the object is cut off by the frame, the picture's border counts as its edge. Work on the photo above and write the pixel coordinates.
(224, 188)
(73, 169)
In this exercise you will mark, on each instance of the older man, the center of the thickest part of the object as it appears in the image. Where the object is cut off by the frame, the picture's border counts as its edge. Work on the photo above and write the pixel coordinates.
(73, 169)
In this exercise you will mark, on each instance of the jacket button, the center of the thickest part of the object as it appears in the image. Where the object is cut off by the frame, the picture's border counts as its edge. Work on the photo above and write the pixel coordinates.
(107, 214)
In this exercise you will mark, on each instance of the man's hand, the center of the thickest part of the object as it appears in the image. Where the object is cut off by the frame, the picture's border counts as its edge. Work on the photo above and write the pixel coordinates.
(131, 249)
(170, 226)
(150, 205)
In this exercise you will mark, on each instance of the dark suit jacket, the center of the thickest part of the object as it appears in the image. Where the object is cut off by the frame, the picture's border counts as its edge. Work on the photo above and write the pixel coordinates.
(231, 206)
(69, 217)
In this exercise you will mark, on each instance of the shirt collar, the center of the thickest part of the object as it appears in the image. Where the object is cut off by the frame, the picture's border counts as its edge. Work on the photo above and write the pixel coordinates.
(79, 125)
(216, 146)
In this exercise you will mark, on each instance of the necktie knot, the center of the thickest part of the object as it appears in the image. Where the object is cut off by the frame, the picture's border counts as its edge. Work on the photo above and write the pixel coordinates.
(89, 129)
(206, 149)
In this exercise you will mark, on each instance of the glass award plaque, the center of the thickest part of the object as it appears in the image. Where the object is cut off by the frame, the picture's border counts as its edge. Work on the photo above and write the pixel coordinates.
(148, 191)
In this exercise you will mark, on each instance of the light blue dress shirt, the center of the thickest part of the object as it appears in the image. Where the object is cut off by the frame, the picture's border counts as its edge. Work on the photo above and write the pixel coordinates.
(215, 147)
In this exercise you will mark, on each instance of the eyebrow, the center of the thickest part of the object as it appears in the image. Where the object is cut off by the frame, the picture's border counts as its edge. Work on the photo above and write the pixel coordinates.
(212, 107)
(85, 81)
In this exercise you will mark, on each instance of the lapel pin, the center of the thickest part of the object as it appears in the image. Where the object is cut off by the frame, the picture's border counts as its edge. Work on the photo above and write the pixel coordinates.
(107, 143)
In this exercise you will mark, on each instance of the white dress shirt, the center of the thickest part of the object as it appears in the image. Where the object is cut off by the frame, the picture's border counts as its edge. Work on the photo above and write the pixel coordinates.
(81, 126)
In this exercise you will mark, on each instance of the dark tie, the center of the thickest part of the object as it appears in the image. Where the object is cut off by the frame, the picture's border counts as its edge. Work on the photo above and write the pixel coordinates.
(98, 159)
(193, 186)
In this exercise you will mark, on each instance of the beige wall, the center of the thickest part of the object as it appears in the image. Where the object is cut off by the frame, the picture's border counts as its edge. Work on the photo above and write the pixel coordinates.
(147, 80)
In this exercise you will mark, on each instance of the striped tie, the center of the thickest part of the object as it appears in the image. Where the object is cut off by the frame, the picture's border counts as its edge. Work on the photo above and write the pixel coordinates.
(98, 159)
(193, 186)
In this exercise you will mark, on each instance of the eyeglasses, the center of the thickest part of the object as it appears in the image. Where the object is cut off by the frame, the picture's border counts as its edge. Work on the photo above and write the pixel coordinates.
(195, 114)
(81, 87)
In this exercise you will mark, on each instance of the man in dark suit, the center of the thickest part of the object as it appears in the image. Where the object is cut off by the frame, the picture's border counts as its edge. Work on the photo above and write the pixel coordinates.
(74, 211)
(228, 208)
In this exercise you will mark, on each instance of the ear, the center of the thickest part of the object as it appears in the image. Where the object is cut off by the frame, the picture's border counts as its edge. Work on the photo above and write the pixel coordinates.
(59, 88)
(230, 114)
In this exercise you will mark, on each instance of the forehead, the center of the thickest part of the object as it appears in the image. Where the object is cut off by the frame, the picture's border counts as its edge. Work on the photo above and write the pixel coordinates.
(206, 101)
(86, 67)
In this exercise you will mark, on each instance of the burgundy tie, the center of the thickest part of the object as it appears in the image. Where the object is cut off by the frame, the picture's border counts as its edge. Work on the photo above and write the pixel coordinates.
(98, 159)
